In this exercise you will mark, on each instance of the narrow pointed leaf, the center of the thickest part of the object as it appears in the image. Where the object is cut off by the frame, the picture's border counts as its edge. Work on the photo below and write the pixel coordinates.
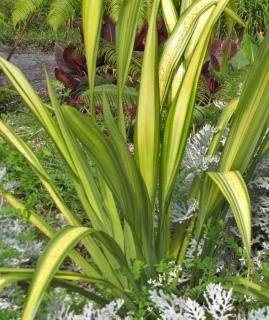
(47, 230)
(249, 123)
(241, 285)
(112, 210)
(48, 264)
(117, 253)
(92, 17)
(94, 209)
(148, 114)
(180, 115)
(178, 124)
(222, 124)
(170, 14)
(234, 189)
(119, 172)
(232, 14)
(35, 104)
(174, 47)
(126, 29)
(23, 148)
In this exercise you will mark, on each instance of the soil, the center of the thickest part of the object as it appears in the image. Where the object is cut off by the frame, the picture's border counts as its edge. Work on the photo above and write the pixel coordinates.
(31, 64)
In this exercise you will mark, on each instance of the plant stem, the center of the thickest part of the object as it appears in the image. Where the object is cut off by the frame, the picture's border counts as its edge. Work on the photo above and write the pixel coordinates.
(20, 35)
(121, 123)
(183, 249)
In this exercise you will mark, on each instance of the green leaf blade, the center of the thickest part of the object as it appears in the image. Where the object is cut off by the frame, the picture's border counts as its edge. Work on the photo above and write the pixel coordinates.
(148, 115)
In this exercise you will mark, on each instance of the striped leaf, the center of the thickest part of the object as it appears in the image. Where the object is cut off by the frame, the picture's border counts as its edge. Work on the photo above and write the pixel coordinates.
(92, 17)
(174, 47)
(48, 264)
(170, 14)
(185, 4)
(234, 189)
(148, 115)
(126, 29)
(222, 124)
(178, 124)
(249, 123)
(48, 231)
(120, 174)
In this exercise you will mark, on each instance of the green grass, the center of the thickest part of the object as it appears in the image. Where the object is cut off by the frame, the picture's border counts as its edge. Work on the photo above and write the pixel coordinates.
(30, 189)
(39, 37)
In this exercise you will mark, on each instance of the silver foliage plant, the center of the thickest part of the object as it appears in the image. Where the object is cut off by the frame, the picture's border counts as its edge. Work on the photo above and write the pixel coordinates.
(195, 163)
(90, 312)
(219, 305)
(259, 186)
(196, 159)
(21, 251)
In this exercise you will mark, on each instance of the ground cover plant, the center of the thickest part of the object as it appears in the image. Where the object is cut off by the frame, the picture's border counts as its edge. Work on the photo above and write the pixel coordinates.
(145, 241)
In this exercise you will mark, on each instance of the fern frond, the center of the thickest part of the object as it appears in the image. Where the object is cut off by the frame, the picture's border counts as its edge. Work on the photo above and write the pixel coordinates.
(24, 8)
(61, 11)
(3, 21)
(130, 95)
(112, 8)
(232, 84)
(108, 52)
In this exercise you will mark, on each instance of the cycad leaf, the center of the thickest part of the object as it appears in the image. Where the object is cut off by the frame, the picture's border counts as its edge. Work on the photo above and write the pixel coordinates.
(130, 95)
(148, 115)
